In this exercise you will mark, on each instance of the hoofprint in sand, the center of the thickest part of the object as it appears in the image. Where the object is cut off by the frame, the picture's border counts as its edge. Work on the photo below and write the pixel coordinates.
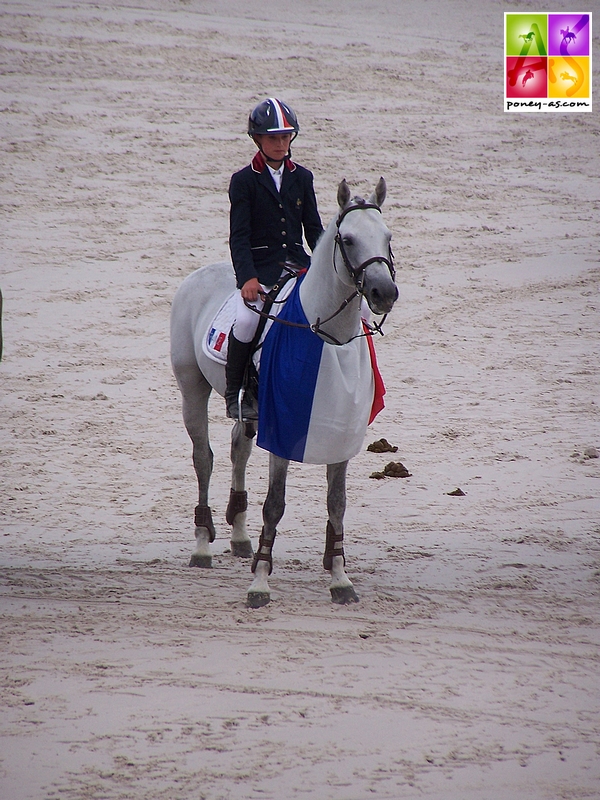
(469, 668)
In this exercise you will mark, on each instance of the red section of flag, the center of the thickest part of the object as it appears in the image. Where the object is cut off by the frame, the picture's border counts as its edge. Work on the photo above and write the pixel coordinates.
(219, 343)
(378, 403)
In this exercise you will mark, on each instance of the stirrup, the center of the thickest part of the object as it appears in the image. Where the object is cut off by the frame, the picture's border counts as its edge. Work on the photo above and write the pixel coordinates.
(240, 409)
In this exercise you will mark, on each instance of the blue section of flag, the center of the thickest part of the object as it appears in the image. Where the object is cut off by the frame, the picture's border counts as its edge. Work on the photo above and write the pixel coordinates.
(289, 366)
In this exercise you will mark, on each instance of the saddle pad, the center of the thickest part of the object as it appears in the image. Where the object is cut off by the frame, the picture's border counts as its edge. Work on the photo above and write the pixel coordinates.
(214, 344)
(315, 399)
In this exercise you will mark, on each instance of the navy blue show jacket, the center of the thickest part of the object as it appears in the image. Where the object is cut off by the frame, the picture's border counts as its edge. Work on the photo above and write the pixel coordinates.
(266, 225)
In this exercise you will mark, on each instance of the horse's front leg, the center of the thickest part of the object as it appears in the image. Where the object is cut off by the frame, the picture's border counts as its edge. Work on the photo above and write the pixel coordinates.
(241, 447)
(259, 593)
(341, 588)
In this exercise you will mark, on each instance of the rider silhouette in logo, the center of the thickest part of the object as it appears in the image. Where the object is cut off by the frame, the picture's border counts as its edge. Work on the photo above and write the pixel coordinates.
(272, 204)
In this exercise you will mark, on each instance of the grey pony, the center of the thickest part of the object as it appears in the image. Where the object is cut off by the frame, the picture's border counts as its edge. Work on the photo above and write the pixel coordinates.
(364, 239)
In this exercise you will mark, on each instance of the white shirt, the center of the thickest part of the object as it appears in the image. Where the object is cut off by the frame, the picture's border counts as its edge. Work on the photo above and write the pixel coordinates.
(277, 175)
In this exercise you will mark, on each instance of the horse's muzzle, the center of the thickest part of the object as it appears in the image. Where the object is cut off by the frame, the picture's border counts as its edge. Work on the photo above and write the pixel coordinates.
(381, 298)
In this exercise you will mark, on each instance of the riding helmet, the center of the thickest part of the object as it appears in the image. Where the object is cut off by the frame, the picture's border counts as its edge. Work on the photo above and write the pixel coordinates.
(272, 116)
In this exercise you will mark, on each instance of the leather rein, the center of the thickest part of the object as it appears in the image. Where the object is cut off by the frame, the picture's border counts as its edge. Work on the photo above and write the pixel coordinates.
(356, 273)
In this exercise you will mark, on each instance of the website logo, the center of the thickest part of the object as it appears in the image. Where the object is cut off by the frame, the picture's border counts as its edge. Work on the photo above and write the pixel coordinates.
(547, 62)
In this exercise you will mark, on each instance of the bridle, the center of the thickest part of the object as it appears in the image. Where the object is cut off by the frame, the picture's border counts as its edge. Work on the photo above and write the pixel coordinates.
(356, 273)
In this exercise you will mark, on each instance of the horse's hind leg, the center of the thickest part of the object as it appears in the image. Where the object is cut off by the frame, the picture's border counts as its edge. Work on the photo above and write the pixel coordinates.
(341, 588)
(241, 447)
(259, 593)
(195, 391)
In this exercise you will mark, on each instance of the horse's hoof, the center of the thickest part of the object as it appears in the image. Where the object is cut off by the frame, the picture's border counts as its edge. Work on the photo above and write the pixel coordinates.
(201, 561)
(342, 595)
(242, 549)
(258, 599)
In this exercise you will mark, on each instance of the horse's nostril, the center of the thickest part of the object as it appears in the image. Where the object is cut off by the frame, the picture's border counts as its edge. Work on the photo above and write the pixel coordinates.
(383, 300)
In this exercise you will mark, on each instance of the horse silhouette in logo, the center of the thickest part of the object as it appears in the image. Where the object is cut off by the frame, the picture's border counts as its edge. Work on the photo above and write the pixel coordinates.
(568, 36)
(527, 77)
(567, 77)
(527, 37)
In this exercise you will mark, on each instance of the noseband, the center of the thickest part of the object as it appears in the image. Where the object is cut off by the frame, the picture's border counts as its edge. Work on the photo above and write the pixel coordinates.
(358, 273)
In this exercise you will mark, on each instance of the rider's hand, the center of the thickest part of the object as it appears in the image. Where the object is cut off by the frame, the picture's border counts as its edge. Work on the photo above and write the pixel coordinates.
(251, 289)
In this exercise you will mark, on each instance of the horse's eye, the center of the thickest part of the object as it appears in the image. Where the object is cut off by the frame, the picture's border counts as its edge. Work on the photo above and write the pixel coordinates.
(348, 241)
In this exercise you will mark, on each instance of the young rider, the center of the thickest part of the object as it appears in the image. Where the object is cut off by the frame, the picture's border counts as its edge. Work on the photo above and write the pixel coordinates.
(272, 203)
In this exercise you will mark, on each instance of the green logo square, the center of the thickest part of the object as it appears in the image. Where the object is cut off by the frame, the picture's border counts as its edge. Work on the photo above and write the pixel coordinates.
(526, 34)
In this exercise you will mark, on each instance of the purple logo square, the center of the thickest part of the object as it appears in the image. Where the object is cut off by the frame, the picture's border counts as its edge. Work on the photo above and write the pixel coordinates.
(568, 34)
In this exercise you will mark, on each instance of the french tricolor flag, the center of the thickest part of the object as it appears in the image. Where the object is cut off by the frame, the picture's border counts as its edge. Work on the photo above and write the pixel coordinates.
(315, 399)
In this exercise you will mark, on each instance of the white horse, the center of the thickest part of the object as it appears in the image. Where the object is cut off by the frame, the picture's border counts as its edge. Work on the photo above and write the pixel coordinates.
(352, 260)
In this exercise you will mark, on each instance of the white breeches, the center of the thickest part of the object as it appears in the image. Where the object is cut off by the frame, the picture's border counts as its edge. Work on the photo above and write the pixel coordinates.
(246, 321)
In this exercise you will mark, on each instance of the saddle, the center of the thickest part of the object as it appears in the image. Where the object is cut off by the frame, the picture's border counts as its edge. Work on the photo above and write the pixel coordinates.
(214, 344)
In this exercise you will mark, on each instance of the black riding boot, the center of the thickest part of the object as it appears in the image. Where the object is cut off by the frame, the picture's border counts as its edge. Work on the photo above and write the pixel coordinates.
(238, 356)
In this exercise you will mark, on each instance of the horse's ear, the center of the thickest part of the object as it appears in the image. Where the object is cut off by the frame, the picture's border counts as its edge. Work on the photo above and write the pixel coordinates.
(343, 194)
(379, 194)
